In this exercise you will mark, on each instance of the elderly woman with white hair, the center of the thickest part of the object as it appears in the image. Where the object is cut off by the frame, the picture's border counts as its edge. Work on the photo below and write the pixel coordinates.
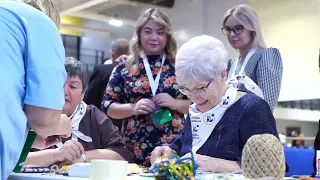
(221, 118)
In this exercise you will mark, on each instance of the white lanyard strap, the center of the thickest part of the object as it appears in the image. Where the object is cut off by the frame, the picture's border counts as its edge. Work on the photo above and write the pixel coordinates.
(245, 62)
(154, 83)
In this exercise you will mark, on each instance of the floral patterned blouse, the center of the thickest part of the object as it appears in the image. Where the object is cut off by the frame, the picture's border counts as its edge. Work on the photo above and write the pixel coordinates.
(139, 131)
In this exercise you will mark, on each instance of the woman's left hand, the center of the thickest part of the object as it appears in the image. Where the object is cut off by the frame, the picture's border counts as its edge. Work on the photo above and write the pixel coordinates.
(165, 100)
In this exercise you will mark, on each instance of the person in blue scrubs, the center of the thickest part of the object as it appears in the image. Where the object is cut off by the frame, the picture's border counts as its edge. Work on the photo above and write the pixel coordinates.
(32, 76)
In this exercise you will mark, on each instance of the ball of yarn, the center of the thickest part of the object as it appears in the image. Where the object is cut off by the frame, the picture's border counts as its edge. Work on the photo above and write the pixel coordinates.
(262, 157)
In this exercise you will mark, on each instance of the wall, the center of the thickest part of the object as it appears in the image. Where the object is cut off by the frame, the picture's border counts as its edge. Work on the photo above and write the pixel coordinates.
(293, 27)
(308, 129)
(190, 18)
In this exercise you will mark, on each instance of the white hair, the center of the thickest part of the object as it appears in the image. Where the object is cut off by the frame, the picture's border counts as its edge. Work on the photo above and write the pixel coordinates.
(200, 59)
(248, 18)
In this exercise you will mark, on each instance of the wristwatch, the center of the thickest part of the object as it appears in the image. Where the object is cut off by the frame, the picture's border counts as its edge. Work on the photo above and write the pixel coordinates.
(84, 157)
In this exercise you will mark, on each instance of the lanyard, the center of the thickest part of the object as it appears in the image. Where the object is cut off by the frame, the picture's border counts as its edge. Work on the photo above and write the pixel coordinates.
(245, 62)
(154, 83)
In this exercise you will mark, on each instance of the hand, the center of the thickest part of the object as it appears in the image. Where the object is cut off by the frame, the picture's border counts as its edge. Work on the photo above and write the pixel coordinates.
(70, 151)
(65, 127)
(143, 106)
(159, 151)
(44, 143)
(165, 100)
(206, 163)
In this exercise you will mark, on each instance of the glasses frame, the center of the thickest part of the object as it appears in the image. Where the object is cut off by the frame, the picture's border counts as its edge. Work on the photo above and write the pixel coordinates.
(232, 30)
(193, 92)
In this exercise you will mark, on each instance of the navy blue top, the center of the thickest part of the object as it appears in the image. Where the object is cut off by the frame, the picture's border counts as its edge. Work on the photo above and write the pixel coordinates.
(248, 116)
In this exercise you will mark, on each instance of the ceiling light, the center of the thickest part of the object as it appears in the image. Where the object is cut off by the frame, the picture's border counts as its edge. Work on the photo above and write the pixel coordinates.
(115, 21)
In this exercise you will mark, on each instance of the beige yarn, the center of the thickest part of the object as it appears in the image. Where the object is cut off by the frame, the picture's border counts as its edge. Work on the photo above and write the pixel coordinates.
(263, 157)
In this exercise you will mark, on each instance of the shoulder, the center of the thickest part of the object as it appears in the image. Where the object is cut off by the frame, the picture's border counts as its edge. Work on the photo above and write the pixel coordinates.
(26, 14)
(270, 54)
(270, 50)
(96, 114)
(249, 102)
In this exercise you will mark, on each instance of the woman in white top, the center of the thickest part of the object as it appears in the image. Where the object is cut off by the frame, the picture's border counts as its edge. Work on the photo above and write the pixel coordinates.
(263, 65)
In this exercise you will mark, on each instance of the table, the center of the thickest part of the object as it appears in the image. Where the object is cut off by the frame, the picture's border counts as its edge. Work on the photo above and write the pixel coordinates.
(39, 176)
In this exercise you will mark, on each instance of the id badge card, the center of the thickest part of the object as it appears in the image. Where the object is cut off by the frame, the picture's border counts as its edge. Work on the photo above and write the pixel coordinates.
(161, 116)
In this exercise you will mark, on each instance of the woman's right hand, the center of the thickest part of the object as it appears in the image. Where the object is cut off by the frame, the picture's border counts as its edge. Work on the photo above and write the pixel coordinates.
(159, 151)
(143, 106)
(70, 151)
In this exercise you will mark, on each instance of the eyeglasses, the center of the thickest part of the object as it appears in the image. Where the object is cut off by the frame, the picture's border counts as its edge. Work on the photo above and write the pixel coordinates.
(198, 91)
(237, 30)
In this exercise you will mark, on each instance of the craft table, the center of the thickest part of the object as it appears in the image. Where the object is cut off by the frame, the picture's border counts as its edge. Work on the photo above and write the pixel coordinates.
(39, 176)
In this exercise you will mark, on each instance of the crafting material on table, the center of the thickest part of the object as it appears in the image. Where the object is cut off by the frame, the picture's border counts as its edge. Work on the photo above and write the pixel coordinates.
(174, 168)
(263, 156)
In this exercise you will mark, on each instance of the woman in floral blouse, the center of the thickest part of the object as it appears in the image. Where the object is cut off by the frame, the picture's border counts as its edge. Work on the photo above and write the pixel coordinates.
(145, 82)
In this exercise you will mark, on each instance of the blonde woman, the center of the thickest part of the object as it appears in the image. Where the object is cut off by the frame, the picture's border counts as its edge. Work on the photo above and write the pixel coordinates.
(144, 85)
(263, 65)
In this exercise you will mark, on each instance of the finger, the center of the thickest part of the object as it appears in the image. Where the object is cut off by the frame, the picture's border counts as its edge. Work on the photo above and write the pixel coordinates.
(68, 156)
(156, 100)
(142, 112)
(149, 104)
(167, 152)
(158, 152)
(163, 104)
(82, 151)
(70, 150)
(77, 153)
(146, 108)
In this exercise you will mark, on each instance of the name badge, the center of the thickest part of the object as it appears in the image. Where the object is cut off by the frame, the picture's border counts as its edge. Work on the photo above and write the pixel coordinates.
(161, 116)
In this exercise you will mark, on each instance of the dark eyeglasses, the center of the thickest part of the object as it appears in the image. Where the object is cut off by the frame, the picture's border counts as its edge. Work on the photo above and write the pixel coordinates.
(237, 30)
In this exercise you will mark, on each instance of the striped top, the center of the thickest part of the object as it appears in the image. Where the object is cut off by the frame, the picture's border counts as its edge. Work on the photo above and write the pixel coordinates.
(265, 68)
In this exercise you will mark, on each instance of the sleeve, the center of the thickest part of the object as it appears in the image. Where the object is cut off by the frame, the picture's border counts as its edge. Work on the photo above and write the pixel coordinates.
(184, 139)
(257, 119)
(115, 89)
(109, 135)
(269, 75)
(44, 64)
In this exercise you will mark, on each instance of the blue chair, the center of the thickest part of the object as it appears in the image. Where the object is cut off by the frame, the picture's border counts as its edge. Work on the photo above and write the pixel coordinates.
(299, 161)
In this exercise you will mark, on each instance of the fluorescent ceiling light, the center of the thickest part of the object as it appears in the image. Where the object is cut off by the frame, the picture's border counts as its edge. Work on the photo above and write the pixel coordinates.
(115, 22)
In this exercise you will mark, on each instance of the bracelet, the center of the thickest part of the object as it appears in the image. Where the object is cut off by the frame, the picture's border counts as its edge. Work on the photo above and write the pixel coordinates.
(84, 157)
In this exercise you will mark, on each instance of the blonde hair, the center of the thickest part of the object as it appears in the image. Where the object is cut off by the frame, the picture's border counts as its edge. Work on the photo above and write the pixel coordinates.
(248, 18)
(47, 7)
(135, 44)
